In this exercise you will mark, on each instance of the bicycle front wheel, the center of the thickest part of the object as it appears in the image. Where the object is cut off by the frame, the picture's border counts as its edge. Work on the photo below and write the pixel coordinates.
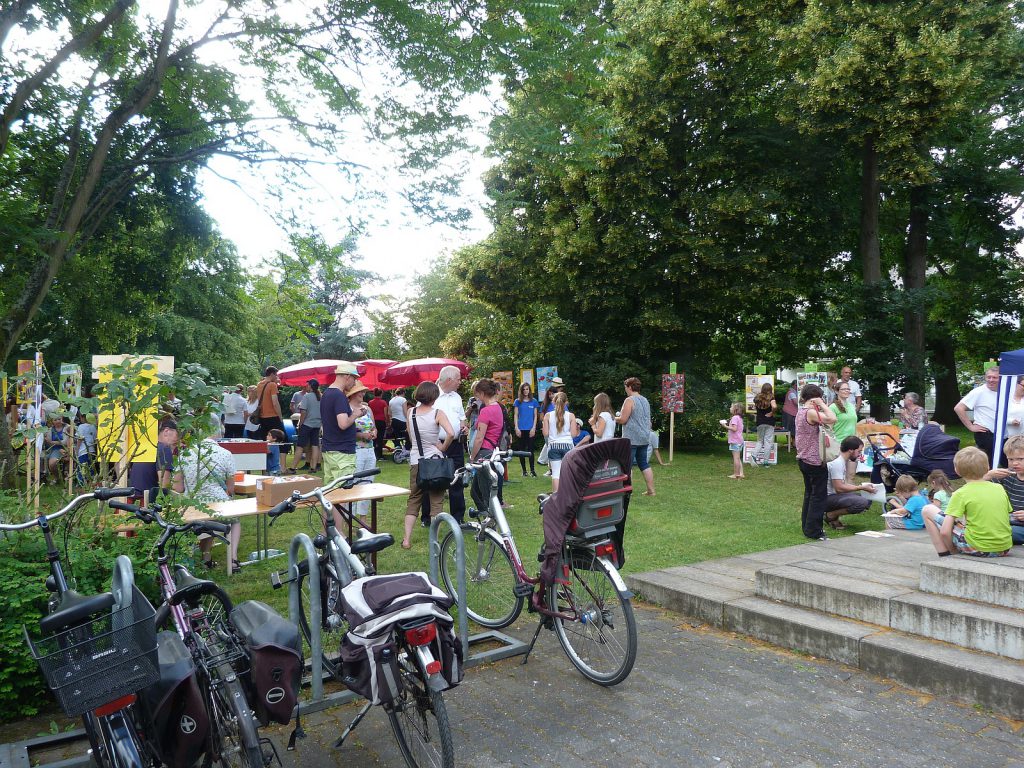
(332, 625)
(490, 576)
(601, 640)
(236, 736)
(420, 722)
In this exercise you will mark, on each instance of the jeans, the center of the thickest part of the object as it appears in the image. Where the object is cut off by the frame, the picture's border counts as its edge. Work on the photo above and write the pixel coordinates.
(812, 514)
(765, 439)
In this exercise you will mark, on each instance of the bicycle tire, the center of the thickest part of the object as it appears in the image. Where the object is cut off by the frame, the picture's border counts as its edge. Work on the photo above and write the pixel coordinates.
(332, 625)
(95, 744)
(236, 732)
(212, 625)
(119, 737)
(419, 720)
(602, 642)
(490, 576)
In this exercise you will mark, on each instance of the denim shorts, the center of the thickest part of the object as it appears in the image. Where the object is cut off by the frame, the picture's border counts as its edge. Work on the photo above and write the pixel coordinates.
(640, 456)
(557, 452)
(966, 549)
(736, 447)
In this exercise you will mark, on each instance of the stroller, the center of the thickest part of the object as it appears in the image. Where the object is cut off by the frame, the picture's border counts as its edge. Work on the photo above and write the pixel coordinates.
(934, 449)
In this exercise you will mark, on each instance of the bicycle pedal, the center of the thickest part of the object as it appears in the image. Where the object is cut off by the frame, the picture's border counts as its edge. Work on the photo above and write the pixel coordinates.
(473, 513)
(522, 589)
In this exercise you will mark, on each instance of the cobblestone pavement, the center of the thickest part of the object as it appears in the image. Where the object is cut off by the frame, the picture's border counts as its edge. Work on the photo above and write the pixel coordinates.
(697, 697)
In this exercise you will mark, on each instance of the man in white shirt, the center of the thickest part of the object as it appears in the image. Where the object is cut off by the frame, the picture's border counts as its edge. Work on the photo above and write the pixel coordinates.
(399, 426)
(854, 398)
(981, 401)
(450, 402)
(234, 412)
(843, 497)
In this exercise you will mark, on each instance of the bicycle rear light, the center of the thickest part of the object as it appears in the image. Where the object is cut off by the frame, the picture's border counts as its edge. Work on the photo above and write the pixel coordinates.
(421, 635)
(114, 706)
(603, 512)
(605, 549)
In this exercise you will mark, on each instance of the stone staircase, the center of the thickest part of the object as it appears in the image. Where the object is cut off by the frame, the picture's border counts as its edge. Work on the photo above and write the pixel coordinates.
(952, 626)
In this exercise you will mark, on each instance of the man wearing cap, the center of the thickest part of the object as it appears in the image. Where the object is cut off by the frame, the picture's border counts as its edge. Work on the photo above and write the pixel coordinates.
(269, 405)
(450, 402)
(339, 424)
(234, 412)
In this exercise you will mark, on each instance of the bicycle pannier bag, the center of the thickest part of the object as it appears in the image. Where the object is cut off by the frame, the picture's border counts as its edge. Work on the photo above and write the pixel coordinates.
(275, 659)
(175, 707)
(373, 607)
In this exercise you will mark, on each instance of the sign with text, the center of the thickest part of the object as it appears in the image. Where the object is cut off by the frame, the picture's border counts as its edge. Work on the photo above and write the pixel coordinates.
(504, 380)
(754, 383)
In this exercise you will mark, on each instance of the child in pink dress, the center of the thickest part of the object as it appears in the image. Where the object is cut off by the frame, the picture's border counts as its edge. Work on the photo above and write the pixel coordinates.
(735, 427)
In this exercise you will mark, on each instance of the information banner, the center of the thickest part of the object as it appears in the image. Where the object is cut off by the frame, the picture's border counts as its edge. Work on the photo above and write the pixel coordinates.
(526, 377)
(673, 390)
(753, 387)
(750, 451)
(504, 380)
(544, 376)
(818, 377)
(70, 382)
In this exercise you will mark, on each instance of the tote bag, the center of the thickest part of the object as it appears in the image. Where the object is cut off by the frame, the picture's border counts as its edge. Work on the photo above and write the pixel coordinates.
(435, 473)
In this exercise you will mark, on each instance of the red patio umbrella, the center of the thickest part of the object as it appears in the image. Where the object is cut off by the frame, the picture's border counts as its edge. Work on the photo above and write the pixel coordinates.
(322, 370)
(412, 372)
(370, 372)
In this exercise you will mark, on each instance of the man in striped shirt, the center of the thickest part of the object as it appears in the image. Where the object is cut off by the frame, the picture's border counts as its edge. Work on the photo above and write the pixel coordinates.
(1012, 480)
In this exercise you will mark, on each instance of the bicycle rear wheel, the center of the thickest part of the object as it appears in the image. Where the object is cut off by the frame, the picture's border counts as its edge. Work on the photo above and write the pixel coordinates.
(601, 643)
(420, 722)
(332, 625)
(490, 576)
(236, 734)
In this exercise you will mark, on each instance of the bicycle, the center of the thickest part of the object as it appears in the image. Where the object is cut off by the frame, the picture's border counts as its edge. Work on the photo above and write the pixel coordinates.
(199, 611)
(590, 611)
(416, 710)
(98, 651)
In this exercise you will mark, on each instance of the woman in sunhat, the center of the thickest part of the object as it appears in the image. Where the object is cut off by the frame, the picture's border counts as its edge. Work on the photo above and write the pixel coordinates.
(366, 433)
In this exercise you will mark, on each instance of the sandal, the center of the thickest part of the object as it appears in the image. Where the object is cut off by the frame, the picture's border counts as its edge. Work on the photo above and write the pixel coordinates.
(834, 523)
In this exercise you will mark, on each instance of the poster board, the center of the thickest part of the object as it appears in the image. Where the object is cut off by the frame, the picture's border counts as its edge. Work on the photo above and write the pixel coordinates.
(25, 382)
(504, 380)
(70, 382)
(750, 450)
(137, 439)
(754, 382)
(526, 376)
(812, 377)
(673, 391)
(544, 376)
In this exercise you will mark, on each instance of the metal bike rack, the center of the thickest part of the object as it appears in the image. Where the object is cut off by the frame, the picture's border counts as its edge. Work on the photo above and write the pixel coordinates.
(508, 646)
(314, 612)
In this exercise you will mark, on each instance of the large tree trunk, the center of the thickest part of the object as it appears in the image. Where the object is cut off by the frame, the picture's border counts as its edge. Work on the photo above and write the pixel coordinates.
(871, 271)
(8, 464)
(947, 391)
(914, 266)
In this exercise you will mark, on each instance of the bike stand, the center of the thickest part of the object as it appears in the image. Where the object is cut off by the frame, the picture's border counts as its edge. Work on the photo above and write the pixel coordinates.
(16, 753)
(509, 647)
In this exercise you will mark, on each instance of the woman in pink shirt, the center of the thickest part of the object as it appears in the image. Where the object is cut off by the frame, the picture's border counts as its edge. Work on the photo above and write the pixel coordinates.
(812, 414)
(489, 425)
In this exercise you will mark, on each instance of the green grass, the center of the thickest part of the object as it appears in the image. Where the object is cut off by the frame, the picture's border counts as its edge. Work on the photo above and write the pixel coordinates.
(698, 514)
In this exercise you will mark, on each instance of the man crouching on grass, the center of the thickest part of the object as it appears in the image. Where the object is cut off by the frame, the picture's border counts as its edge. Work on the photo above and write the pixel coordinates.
(977, 520)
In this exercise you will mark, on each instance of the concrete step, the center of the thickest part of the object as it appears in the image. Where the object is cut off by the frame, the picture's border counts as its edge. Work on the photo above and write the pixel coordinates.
(988, 628)
(798, 629)
(936, 667)
(817, 585)
(999, 581)
(685, 594)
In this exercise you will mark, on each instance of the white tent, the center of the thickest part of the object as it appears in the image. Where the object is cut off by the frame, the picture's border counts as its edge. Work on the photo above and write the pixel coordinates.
(1011, 365)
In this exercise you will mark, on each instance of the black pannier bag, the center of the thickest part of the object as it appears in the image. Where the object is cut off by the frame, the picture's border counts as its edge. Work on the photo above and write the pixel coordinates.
(373, 607)
(275, 660)
(174, 705)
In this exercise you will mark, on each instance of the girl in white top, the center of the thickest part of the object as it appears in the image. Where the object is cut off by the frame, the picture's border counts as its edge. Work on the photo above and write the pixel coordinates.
(1015, 410)
(559, 429)
(601, 420)
(429, 422)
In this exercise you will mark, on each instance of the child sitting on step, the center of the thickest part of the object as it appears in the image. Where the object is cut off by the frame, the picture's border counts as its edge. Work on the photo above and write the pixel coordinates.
(977, 520)
(911, 501)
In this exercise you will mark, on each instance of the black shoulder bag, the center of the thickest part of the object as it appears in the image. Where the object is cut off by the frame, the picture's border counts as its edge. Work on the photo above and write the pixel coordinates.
(435, 473)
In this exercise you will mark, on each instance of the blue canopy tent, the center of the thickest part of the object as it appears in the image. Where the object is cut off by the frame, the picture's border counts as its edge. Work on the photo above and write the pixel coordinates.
(1011, 365)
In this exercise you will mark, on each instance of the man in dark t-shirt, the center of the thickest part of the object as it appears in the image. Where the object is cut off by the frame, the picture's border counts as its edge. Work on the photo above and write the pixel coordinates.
(338, 424)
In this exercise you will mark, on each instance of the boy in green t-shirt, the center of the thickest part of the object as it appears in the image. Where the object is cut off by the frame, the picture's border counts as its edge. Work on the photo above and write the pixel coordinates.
(977, 520)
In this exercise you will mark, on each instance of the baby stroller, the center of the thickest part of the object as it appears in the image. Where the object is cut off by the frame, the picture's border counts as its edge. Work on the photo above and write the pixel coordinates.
(934, 449)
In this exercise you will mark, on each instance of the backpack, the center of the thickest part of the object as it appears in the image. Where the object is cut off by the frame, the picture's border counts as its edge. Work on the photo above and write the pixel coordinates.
(373, 607)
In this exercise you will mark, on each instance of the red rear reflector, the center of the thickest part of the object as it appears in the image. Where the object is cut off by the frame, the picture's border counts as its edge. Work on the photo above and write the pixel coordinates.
(565, 571)
(574, 526)
(604, 512)
(421, 635)
(605, 550)
(114, 706)
(433, 667)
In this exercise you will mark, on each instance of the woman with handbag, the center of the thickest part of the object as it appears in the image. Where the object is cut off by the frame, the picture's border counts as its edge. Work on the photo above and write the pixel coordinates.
(812, 414)
(427, 456)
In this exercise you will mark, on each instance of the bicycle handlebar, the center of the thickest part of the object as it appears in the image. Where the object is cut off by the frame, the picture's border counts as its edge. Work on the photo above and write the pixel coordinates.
(152, 515)
(99, 494)
(502, 457)
(346, 481)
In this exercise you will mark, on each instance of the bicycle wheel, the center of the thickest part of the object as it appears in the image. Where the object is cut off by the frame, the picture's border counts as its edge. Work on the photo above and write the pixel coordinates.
(332, 624)
(420, 721)
(208, 615)
(490, 576)
(601, 641)
(236, 734)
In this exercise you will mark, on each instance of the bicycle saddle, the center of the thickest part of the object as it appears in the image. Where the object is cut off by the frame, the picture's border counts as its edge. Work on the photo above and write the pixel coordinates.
(74, 609)
(188, 587)
(375, 542)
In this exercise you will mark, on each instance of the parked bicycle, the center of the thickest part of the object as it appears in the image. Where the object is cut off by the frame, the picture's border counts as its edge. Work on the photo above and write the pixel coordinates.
(589, 607)
(219, 718)
(97, 651)
(388, 638)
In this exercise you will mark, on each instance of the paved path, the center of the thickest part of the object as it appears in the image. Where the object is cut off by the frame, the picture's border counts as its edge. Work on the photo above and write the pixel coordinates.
(697, 697)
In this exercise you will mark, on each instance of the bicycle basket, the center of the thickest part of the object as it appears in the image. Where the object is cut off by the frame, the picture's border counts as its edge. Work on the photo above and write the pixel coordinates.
(101, 660)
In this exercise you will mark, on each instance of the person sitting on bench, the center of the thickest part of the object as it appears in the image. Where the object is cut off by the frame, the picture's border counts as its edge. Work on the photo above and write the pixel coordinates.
(844, 497)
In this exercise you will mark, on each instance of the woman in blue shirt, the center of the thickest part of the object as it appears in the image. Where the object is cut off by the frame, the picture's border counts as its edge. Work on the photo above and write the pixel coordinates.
(526, 408)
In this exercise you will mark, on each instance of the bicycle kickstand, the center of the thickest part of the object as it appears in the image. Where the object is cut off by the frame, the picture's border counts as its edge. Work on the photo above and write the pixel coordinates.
(353, 724)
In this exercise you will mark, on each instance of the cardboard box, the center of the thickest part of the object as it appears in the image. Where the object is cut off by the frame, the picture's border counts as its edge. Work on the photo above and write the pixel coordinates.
(273, 490)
